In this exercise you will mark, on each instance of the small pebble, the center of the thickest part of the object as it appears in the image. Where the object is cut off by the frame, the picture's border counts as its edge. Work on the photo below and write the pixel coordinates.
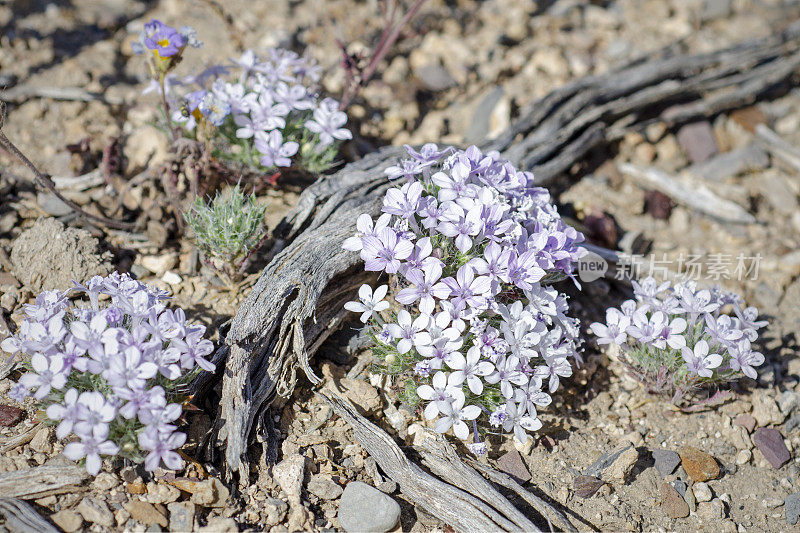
(363, 508)
(698, 464)
(792, 507)
(771, 503)
(672, 503)
(743, 457)
(770, 443)
(702, 492)
(10, 416)
(666, 461)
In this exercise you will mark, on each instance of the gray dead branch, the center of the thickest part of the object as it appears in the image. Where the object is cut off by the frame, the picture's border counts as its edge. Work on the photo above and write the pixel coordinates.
(466, 500)
(21, 517)
(691, 194)
(23, 93)
(297, 302)
(725, 165)
(41, 481)
(79, 183)
(780, 149)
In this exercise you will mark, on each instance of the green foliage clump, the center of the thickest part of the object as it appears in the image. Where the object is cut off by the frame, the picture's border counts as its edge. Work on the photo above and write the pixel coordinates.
(228, 228)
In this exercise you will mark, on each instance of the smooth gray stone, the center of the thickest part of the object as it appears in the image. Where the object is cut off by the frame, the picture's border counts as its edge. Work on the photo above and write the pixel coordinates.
(365, 509)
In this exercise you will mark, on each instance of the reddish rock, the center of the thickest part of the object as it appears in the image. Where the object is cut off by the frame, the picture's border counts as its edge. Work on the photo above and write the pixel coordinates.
(770, 443)
(746, 421)
(512, 464)
(672, 502)
(749, 118)
(602, 229)
(697, 141)
(586, 486)
(10, 416)
(657, 204)
(698, 464)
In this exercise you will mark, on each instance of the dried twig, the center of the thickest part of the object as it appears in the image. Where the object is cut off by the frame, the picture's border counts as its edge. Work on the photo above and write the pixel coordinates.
(538, 503)
(21, 517)
(9, 443)
(747, 159)
(44, 181)
(357, 78)
(779, 148)
(80, 183)
(694, 195)
(22, 93)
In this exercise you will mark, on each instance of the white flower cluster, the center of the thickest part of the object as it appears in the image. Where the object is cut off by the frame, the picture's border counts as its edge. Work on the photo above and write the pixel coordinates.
(272, 111)
(469, 244)
(106, 374)
(677, 338)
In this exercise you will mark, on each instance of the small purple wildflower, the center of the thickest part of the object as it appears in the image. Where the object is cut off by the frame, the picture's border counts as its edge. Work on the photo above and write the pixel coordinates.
(164, 40)
(327, 122)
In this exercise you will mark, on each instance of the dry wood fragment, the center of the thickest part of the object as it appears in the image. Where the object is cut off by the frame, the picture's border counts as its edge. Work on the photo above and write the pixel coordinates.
(79, 183)
(41, 481)
(9, 443)
(21, 517)
(747, 159)
(694, 195)
(296, 303)
(466, 500)
(22, 93)
(443, 460)
(779, 148)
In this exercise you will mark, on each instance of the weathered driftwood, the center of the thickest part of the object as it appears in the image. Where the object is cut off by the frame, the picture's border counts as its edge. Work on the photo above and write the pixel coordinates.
(780, 149)
(297, 301)
(453, 492)
(444, 461)
(41, 481)
(21, 517)
(689, 193)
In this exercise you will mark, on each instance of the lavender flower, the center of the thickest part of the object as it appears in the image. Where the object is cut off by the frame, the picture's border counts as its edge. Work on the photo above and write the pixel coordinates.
(468, 242)
(454, 415)
(440, 393)
(425, 286)
(161, 446)
(743, 358)
(614, 330)
(519, 422)
(328, 122)
(699, 361)
(138, 354)
(91, 447)
(275, 153)
(385, 251)
(67, 413)
(48, 373)
(470, 369)
(677, 339)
